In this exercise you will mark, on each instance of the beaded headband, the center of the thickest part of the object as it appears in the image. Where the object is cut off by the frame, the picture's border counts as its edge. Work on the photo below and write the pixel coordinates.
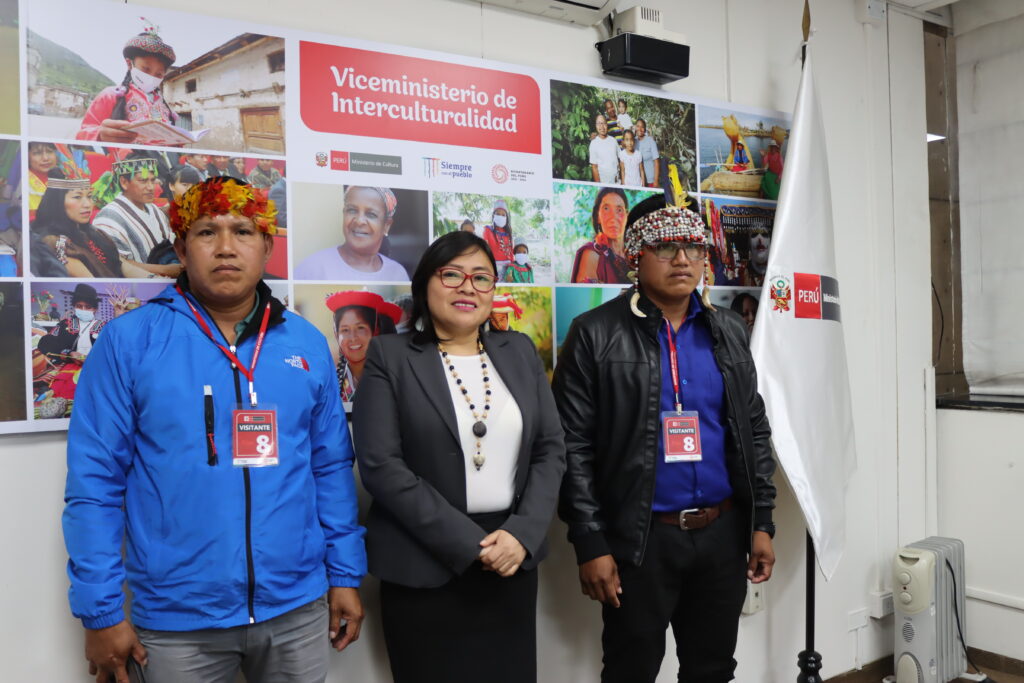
(219, 196)
(130, 167)
(68, 184)
(664, 225)
(73, 164)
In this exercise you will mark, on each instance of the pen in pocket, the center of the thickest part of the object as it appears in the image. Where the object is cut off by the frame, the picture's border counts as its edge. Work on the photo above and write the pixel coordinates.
(211, 447)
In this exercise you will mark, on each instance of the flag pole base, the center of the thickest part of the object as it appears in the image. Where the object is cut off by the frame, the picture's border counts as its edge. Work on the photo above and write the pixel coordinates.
(810, 665)
(809, 660)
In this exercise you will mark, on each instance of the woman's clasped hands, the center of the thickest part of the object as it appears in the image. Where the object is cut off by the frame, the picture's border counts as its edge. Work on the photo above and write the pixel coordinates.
(502, 553)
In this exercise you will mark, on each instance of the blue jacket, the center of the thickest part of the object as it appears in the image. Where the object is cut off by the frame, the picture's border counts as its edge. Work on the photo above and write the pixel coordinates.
(208, 546)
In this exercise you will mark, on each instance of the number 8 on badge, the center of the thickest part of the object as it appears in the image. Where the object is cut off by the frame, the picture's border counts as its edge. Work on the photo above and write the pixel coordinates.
(255, 438)
(681, 436)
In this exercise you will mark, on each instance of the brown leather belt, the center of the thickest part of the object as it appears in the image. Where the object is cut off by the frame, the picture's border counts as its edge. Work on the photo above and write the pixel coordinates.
(694, 518)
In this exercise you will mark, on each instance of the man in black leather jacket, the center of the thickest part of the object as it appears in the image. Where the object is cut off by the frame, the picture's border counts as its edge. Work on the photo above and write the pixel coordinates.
(668, 493)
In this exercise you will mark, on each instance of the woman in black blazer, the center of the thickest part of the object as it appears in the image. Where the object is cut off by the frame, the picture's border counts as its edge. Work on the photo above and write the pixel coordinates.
(459, 443)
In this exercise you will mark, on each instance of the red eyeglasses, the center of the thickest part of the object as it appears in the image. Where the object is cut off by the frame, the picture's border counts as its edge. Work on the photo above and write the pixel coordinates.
(453, 278)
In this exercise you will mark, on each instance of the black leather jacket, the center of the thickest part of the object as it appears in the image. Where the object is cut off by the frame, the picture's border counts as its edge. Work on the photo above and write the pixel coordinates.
(607, 386)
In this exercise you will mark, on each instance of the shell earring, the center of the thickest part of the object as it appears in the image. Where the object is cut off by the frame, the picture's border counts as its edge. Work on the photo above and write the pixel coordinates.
(705, 294)
(633, 301)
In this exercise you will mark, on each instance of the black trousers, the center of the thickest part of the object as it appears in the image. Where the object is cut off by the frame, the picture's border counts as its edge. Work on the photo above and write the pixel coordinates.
(694, 581)
(477, 627)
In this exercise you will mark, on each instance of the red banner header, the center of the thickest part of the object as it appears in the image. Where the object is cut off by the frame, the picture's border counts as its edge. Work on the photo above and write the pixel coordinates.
(381, 95)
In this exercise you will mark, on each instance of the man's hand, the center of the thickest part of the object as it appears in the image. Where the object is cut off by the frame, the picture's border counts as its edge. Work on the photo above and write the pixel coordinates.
(599, 579)
(502, 553)
(762, 558)
(113, 130)
(344, 605)
(108, 649)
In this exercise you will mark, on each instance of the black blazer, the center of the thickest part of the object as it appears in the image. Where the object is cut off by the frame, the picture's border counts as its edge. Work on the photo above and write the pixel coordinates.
(411, 460)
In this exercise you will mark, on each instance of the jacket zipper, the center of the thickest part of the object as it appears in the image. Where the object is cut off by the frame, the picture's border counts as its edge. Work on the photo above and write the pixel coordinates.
(250, 568)
(248, 516)
(653, 478)
(716, 337)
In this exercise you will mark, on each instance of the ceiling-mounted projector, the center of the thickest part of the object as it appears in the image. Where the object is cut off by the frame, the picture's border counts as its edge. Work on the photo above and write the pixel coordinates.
(642, 58)
(642, 49)
(584, 12)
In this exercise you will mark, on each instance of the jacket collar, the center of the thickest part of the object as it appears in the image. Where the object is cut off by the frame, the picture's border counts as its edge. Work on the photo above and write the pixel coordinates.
(646, 314)
(277, 309)
(649, 317)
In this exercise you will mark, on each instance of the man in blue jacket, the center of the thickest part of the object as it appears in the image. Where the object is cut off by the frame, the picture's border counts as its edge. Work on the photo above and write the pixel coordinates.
(209, 433)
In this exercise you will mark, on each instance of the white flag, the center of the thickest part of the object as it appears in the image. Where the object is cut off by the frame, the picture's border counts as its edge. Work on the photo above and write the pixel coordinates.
(798, 337)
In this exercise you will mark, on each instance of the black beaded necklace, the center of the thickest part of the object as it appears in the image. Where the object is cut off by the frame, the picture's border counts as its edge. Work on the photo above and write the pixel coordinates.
(479, 420)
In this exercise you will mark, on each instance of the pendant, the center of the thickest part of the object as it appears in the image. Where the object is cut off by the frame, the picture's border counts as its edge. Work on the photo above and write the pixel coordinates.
(479, 429)
(478, 460)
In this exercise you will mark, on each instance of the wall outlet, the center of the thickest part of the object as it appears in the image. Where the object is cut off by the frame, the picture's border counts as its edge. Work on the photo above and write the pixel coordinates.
(754, 602)
(857, 619)
(881, 604)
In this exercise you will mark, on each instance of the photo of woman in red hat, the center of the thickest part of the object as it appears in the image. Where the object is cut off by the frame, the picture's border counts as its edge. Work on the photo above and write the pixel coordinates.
(359, 316)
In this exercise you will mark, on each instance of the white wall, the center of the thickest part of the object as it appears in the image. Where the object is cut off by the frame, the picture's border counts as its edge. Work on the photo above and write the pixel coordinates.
(742, 50)
(981, 476)
(980, 467)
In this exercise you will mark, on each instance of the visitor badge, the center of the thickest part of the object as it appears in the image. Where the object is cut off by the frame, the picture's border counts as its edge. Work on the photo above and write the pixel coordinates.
(681, 432)
(255, 438)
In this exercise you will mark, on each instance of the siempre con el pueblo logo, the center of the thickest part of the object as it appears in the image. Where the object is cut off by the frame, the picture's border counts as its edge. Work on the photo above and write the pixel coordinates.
(433, 167)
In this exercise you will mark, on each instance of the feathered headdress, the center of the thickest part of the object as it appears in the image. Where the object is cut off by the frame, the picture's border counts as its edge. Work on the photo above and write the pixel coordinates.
(219, 196)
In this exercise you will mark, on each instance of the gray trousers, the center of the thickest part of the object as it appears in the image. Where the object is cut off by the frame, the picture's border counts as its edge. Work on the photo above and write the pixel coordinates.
(290, 648)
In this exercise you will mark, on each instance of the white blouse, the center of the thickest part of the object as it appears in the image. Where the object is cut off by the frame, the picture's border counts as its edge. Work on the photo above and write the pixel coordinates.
(492, 487)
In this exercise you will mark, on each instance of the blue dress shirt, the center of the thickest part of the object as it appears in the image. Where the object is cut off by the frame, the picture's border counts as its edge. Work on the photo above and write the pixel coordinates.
(685, 485)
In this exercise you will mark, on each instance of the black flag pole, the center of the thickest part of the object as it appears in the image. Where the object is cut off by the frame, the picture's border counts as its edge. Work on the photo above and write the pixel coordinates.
(809, 660)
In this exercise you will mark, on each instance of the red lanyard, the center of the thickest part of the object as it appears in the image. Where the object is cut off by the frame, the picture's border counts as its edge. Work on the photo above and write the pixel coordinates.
(248, 372)
(674, 362)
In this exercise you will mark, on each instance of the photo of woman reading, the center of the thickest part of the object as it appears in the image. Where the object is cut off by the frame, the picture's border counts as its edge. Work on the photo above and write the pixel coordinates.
(138, 97)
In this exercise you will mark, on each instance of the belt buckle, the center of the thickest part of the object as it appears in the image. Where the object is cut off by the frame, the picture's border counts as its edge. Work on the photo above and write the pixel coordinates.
(682, 517)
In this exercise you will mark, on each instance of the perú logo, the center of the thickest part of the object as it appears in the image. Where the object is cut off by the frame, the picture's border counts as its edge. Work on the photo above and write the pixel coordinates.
(321, 159)
(499, 173)
(817, 296)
